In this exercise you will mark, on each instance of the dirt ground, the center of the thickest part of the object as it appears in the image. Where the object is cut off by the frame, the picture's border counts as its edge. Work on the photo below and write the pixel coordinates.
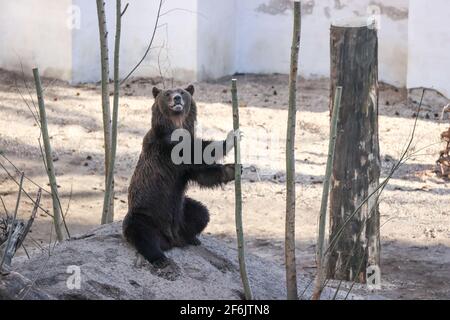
(414, 210)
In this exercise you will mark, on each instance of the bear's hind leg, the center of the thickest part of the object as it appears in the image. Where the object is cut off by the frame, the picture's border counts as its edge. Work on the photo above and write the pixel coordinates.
(145, 239)
(195, 220)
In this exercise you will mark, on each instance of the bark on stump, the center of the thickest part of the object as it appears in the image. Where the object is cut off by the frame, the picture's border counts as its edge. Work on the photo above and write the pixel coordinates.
(356, 168)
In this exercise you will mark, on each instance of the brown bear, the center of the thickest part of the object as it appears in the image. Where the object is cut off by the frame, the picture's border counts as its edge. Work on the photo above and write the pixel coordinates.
(160, 216)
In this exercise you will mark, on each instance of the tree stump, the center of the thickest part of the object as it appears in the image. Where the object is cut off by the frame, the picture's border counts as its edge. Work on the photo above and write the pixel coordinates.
(355, 245)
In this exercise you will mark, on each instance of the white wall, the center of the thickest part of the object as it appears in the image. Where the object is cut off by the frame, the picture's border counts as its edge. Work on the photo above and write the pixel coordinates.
(206, 39)
(195, 39)
(37, 35)
(216, 38)
(265, 36)
(177, 35)
(393, 41)
(429, 45)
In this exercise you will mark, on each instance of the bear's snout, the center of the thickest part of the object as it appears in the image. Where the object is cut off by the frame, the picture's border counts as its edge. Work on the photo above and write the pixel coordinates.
(177, 99)
(177, 108)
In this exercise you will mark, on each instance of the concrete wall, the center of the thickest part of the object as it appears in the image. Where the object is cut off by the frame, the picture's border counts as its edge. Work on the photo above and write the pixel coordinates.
(195, 39)
(429, 45)
(265, 35)
(37, 35)
(204, 39)
(175, 42)
(216, 38)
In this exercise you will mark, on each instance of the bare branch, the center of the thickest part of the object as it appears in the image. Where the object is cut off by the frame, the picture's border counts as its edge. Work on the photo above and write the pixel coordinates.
(149, 45)
(26, 86)
(185, 10)
(124, 10)
(6, 254)
(159, 67)
(31, 220)
(4, 207)
(24, 191)
(19, 171)
(26, 103)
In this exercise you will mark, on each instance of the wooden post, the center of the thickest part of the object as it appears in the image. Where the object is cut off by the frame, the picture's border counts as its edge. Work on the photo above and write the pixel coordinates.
(57, 214)
(238, 195)
(325, 194)
(289, 247)
(356, 166)
(108, 211)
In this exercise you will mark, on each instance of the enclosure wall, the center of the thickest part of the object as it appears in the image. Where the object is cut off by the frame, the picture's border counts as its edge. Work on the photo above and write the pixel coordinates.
(35, 33)
(208, 39)
(429, 45)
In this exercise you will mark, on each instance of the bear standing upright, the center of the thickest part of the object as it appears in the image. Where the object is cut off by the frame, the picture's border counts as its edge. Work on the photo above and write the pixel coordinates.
(160, 216)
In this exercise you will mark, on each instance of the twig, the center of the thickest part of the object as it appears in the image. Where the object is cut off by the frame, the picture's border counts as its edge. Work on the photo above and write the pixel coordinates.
(48, 86)
(36, 243)
(149, 45)
(159, 67)
(27, 289)
(24, 191)
(11, 228)
(360, 265)
(26, 86)
(306, 288)
(4, 207)
(17, 233)
(31, 220)
(124, 10)
(26, 251)
(33, 182)
(362, 258)
(26, 178)
(26, 103)
(185, 10)
(68, 202)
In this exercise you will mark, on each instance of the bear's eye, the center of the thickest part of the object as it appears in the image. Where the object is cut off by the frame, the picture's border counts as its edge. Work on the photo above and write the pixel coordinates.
(167, 94)
(183, 93)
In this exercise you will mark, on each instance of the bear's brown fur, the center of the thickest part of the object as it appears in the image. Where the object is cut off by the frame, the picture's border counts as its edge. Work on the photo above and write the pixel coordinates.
(160, 216)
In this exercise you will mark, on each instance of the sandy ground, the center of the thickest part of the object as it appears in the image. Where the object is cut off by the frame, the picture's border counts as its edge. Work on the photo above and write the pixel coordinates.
(414, 210)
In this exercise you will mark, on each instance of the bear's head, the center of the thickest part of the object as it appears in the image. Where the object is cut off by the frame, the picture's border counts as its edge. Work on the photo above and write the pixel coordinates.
(174, 103)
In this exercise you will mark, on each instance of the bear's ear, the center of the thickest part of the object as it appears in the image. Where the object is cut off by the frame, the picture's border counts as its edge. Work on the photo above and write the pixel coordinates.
(155, 92)
(190, 89)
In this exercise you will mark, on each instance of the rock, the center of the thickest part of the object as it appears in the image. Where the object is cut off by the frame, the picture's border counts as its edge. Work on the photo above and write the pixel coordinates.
(109, 268)
(14, 286)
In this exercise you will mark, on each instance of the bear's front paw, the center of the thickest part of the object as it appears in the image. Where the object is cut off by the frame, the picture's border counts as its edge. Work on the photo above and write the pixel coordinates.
(228, 173)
